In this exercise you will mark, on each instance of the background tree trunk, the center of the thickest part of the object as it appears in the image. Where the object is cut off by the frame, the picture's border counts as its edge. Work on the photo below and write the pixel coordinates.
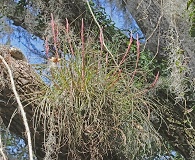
(157, 18)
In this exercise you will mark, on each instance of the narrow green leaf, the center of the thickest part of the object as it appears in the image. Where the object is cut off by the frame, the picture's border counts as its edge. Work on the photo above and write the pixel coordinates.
(189, 3)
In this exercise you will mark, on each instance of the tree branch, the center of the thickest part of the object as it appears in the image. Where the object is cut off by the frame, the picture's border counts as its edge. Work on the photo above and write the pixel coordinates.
(20, 107)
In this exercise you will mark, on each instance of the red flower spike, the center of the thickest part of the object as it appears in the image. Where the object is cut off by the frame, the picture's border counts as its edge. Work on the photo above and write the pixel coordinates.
(101, 49)
(128, 48)
(138, 51)
(83, 50)
(54, 32)
(137, 61)
(67, 26)
(46, 48)
(155, 80)
(101, 39)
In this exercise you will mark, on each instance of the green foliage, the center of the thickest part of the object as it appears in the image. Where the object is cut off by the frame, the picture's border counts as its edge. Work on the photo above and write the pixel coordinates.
(110, 30)
(189, 3)
(191, 6)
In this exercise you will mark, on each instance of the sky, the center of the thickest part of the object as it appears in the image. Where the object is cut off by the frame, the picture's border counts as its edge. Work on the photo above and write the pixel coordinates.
(21, 39)
(118, 17)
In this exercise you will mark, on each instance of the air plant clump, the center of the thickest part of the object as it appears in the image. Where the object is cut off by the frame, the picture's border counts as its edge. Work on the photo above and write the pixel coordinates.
(92, 108)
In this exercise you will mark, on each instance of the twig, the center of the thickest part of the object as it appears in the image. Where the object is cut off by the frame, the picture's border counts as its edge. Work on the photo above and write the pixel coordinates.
(20, 107)
(100, 28)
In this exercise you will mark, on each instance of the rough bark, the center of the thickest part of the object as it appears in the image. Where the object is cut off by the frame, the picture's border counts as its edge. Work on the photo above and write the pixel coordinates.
(28, 86)
(157, 18)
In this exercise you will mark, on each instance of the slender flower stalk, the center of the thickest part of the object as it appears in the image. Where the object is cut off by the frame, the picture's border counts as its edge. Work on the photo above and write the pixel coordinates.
(137, 60)
(128, 49)
(155, 80)
(101, 39)
(153, 84)
(119, 71)
(67, 26)
(69, 40)
(55, 36)
(47, 48)
(101, 48)
(117, 79)
(83, 51)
